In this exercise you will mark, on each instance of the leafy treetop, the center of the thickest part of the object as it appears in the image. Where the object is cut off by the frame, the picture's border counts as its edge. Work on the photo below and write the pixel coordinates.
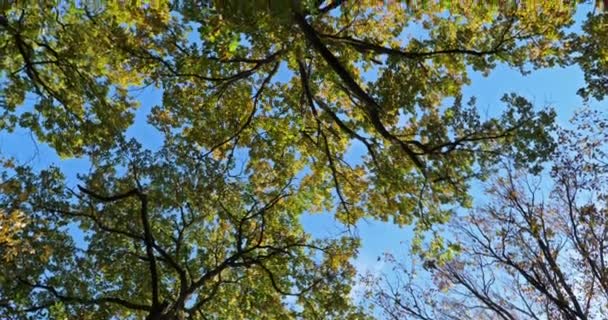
(263, 104)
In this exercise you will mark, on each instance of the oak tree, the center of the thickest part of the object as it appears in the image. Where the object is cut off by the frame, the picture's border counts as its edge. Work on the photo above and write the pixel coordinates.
(262, 105)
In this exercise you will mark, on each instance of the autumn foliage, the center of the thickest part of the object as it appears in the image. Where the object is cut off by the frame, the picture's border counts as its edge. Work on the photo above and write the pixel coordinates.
(261, 106)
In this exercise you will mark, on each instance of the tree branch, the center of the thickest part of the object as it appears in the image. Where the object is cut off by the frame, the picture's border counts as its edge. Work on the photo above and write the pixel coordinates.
(371, 107)
(148, 238)
(78, 300)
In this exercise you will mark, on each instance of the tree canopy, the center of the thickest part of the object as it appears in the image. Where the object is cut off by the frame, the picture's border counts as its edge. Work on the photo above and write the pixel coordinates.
(534, 251)
(262, 105)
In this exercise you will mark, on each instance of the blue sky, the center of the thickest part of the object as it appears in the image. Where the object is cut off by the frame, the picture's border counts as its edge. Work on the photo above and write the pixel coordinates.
(554, 87)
